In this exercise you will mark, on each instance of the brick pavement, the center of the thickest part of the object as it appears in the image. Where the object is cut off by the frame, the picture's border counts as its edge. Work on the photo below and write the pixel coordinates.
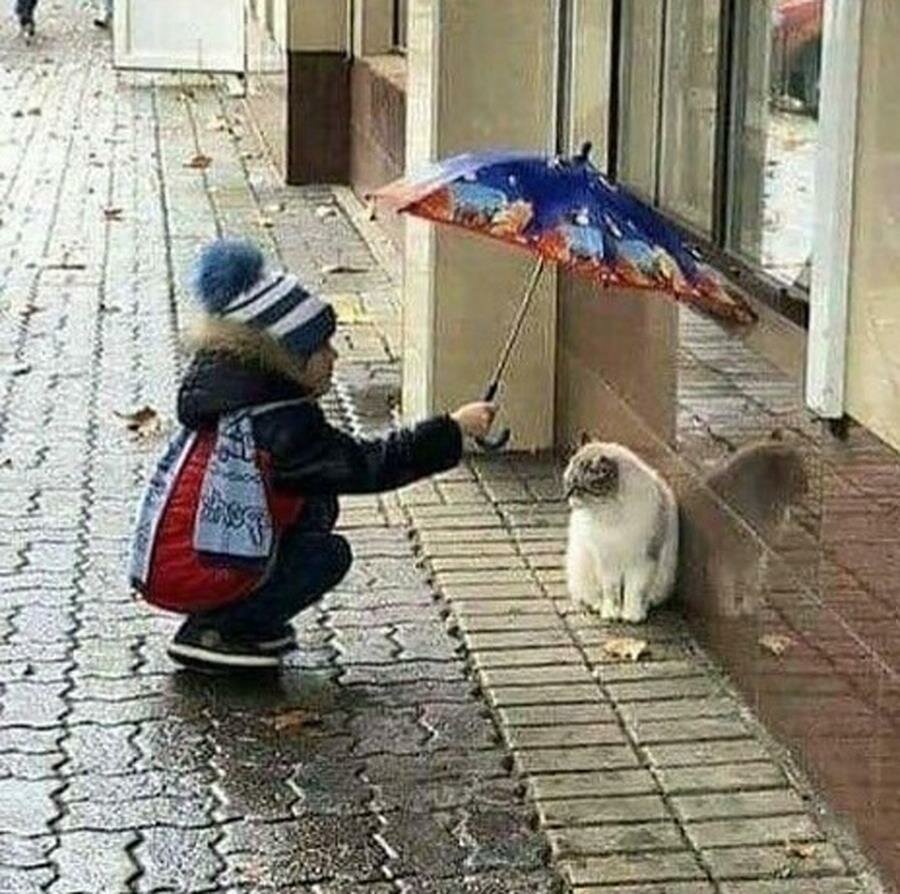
(391, 756)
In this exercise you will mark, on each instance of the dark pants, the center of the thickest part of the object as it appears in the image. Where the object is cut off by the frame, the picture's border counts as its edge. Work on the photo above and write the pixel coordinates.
(309, 564)
(25, 11)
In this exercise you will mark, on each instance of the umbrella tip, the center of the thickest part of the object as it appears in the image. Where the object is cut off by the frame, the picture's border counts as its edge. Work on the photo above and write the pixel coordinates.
(585, 151)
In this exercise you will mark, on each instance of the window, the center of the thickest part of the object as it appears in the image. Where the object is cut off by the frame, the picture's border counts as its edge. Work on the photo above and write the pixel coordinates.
(401, 13)
(717, 126)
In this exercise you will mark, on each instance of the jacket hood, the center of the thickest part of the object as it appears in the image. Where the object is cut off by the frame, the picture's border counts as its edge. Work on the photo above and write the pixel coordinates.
(234, 367)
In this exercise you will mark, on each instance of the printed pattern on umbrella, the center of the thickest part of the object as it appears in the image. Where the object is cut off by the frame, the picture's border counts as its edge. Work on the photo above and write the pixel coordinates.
(566, 211)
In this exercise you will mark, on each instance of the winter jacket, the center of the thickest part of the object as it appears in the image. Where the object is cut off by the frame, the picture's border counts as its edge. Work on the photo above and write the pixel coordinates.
(308, 462)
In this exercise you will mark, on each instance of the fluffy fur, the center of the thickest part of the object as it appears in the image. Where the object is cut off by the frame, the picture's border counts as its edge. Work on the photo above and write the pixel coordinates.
(623, 533)
(252, 347)
(224, 269)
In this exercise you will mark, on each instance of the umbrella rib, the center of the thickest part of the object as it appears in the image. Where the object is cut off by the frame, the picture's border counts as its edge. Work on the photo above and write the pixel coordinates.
(517, 325)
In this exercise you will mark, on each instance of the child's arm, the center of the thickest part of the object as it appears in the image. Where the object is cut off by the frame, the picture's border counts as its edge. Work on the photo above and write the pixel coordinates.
(328, 461)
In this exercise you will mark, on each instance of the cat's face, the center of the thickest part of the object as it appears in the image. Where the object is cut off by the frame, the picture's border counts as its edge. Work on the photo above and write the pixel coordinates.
(592, 475)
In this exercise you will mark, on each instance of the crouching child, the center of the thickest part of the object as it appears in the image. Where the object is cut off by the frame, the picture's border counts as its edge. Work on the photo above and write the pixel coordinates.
(235, 529)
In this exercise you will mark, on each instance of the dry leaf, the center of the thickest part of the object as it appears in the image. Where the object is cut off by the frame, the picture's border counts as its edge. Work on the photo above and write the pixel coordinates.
(20, 369)
(200, 162)
(266, 222)
(800, 851)
(293, 719)
(145, 422)
(113, 213)
(6, 463)
(776, 643)
(35, 112)
(343, 268)
(324, 211)
(274, 208)
(625, 648)
(217, 123)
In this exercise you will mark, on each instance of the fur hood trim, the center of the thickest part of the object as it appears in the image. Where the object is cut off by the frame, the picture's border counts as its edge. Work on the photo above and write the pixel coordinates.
(252, 347)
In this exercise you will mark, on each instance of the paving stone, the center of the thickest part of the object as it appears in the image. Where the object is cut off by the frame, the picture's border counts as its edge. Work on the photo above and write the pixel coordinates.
(555, 786)
(100, 749)
(508, 622)
(27, 807)
(177, 859)
(138, 813)
(647, 670)
(545, 637)
(544, 715)
(770, 802)
(498, 560)
(721, 777)
(527, 657)
(519, 591)
(554, 694)
(593, 811)
(768, 830)
(677, 709)
(25, 853)
(402, 672)
(571, 759)
(25, 881)
(332, 848)
(559, 735)
(634, 867)
(715, 728)
(612, 839)
(706, 753)
(650, 888)
(687, 687)
(794, 886)
(94, 861)
(773, 862)
(473, 609)
(530, 676)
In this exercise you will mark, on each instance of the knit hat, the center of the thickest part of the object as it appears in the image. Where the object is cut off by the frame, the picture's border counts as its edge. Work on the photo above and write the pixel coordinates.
(231, 283)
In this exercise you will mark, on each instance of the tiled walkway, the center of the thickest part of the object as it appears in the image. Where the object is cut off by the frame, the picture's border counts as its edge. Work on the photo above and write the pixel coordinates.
(391, 757)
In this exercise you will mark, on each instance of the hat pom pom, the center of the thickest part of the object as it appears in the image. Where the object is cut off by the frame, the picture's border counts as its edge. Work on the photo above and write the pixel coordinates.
(225, 269)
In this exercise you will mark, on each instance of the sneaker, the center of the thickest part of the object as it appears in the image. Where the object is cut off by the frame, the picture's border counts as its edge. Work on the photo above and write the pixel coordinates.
(204, 648)
(279, 641)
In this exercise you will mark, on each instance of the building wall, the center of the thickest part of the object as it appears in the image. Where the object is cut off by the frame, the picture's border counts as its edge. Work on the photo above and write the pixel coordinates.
(873, 375)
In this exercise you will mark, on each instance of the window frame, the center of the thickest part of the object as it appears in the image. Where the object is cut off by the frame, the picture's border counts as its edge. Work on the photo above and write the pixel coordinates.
(399, 27)
(787, 300)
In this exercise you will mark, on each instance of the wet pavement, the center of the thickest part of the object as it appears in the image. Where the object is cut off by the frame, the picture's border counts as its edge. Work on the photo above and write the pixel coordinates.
(370, 765)
(390, 757)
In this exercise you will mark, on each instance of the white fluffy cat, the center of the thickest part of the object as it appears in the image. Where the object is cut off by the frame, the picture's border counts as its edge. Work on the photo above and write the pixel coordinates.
(623, 533)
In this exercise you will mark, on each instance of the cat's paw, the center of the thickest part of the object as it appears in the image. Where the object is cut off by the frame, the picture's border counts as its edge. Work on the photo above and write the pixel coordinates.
(633, 614)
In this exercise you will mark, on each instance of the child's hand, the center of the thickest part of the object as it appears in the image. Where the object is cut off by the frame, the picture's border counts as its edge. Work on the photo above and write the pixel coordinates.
(475, 419)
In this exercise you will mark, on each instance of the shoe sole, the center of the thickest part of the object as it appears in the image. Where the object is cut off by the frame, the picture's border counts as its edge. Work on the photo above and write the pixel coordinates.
(278, 646)
(197, 655)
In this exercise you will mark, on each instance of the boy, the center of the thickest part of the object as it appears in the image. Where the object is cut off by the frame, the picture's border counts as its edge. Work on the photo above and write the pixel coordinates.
(264, 346)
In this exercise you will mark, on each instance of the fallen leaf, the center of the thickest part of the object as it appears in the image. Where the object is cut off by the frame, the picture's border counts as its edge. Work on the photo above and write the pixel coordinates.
(274, 208)
(293, 719)
(776, 643)
(266, 222)
(145, 422)
(324, 211)
(35, 112)
(200, 162)
(20, 369)
(18, 114)
(625, 648)
(113, 213)
(343, 268)
(6, 463)
(217, 123)
(798, 850)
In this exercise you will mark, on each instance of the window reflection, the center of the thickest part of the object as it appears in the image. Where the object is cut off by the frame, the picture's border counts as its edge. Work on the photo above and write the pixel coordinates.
(776, 134)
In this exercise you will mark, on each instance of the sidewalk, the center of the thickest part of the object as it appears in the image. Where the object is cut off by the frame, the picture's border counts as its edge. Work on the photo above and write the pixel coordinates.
(392, 756)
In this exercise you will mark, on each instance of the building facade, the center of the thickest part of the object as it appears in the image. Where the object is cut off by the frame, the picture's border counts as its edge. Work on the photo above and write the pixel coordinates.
(768, 130)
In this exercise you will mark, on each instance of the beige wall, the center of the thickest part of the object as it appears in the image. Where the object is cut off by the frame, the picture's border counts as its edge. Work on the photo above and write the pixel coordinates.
(479, 75)
(373, 27)
(317, 25)
(873, 374)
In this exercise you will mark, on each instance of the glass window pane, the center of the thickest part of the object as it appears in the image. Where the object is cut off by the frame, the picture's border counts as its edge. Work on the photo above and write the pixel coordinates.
(778, 53)
(640, 60)
(690, 82)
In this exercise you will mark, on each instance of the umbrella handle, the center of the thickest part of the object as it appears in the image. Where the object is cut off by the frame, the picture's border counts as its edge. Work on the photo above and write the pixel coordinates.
(492, 443)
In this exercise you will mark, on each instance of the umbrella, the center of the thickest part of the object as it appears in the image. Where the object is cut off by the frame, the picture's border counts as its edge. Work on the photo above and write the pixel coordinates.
(563, 210)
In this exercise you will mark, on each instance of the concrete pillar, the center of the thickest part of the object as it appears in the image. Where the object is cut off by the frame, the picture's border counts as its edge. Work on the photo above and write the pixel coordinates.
(481, 74)
(373, 27)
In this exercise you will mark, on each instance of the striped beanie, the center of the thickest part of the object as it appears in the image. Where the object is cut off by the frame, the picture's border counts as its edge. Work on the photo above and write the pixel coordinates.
(231, 282)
